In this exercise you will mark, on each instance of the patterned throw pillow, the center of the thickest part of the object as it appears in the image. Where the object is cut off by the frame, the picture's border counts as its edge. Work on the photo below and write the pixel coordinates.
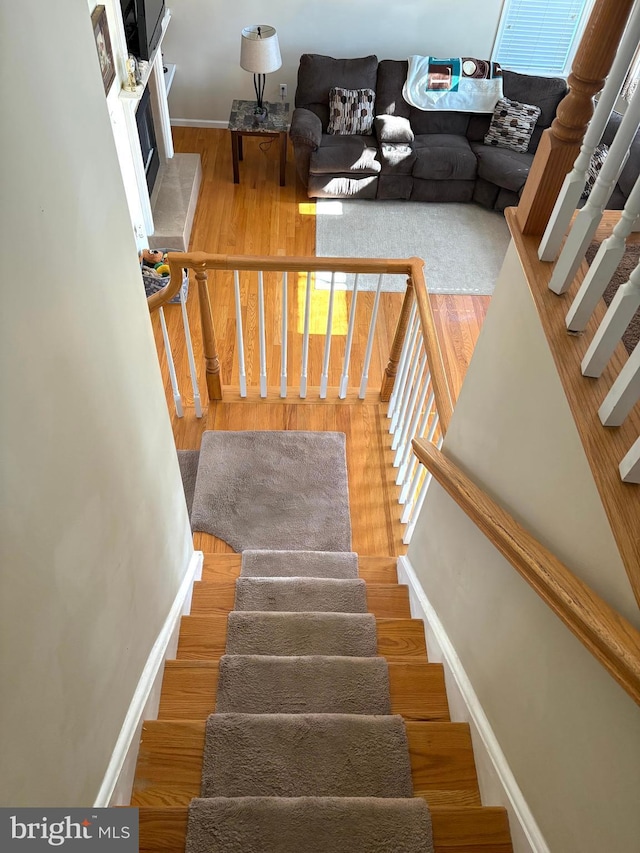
(595, 164)
(512, 125)
(351, 111)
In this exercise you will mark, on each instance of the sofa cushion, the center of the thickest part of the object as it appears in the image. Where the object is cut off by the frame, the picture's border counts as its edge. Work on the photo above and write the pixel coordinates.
(342, 186)
(544, 92)
(318, 74)
(631, 169)
(512, 125)
(344, 155)
(351, 111)
(396, 159)
(502, 166)
(443, 157)
(392, 74)
(424, 121)
(593, 170)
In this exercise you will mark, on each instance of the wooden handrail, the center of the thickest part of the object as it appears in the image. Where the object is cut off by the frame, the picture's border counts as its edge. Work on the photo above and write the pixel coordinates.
(411, 267)
(609, 637)
(444, 406)
(560, 144)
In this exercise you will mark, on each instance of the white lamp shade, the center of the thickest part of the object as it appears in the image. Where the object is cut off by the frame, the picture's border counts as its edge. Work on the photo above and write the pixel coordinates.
(260, 51)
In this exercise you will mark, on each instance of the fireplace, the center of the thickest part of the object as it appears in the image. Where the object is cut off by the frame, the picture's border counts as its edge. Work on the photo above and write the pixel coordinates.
(148, 144)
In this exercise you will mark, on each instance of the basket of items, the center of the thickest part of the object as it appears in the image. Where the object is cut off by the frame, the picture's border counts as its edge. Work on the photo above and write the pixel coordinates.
(156, 273)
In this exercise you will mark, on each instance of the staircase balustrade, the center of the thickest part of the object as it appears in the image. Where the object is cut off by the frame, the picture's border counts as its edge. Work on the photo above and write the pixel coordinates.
(414, 382)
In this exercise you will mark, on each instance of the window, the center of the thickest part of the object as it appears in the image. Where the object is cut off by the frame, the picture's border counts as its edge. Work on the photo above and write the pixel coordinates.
(540, 36)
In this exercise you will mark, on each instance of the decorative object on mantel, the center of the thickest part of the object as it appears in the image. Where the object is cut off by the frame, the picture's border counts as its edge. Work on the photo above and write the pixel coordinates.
(133, 80)
(260, 54)
(103, 45)
(460, 84)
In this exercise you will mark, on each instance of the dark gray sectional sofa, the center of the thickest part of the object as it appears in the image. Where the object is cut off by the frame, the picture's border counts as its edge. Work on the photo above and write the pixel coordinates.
(413, 154)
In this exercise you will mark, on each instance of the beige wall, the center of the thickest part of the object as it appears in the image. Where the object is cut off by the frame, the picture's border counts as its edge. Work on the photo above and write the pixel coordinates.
(570, 734)
(204, 40)
(94, 535)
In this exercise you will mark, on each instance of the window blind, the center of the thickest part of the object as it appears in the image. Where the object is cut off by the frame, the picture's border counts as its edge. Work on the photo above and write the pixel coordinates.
(538, 35)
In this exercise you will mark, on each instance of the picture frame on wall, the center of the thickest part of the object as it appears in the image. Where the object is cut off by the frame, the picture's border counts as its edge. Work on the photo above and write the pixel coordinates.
(103, 46)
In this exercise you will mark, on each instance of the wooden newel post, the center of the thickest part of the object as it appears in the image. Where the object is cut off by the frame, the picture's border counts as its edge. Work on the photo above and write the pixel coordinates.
(560, 144)
(391, 369)
(212, 364)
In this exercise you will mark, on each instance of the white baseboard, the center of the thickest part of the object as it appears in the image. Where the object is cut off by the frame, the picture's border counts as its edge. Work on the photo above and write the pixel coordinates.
(199, 122)
(498, 786)
(117, 784)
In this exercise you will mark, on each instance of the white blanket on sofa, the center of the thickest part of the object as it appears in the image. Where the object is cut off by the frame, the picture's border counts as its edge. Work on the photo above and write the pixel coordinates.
(458, 84)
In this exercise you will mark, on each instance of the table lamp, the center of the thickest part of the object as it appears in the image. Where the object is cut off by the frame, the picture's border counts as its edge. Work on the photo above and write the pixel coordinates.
(260, 53)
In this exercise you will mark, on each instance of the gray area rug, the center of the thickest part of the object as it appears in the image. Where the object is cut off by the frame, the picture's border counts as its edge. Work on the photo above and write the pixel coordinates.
(252, 633)
(264, 684)
(305, 755)
(294, 595)
(626, 266)
(309, 825)
(282, 490)
(188, 461)
(463, 245)
(307, 564)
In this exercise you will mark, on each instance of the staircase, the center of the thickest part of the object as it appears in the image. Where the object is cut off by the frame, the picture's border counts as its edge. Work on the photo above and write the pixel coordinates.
(442, 769)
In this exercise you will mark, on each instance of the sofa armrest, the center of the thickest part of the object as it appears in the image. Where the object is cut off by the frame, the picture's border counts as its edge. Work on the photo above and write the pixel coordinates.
(306, 128)
(393, 129)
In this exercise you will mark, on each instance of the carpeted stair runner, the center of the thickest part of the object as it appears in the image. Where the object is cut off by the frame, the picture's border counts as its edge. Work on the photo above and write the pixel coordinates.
(294, 595)
(305, 755)
(300, 564)
(308, 825)
(257, 633)
(261, 684)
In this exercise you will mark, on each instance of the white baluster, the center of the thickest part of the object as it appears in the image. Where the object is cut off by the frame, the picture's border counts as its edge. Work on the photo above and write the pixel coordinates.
(403, 370)
(413, 460)
(197, 403)
(402, 363)
(305, 339)
(285, 326)
(413, 431)
(404, 403)
(614, 324)
(324, 379)
(262, 336)
(573, 186)
(344, 379)
(364, 381)
(630, 465)
(177, 399)
(624, 393)
(416, 507)
(411, 409)
(411, 496)
(604, 265)
(586, 222)
(239, 336)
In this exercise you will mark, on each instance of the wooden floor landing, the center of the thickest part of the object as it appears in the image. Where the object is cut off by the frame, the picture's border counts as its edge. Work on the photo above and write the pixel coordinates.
(375, 512)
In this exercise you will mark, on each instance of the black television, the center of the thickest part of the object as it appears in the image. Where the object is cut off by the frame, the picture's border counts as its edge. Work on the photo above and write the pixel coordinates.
(142, 25)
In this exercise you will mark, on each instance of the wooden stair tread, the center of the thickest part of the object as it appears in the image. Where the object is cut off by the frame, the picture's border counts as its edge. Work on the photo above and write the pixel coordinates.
(226, 567)
(169, 767)
(214, 598)
(189, 689)
(474, 829)
(205, 637)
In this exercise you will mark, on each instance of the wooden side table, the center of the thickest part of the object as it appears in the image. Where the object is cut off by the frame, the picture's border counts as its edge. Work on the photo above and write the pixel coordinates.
(242, 122)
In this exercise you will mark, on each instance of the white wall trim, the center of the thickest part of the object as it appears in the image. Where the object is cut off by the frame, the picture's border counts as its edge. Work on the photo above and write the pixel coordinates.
(498, 786)
(199, 122)
(118, 780)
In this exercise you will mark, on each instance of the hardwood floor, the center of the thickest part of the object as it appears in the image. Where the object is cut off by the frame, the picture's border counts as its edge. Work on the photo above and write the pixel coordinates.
(257, 217)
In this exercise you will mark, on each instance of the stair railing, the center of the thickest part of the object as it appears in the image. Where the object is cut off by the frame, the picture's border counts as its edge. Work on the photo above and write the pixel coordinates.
(552, 193)
(414, 381)
(610, 638)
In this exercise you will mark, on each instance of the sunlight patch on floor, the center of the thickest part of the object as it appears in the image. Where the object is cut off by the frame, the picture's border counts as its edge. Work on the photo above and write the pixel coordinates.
(319, 308)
